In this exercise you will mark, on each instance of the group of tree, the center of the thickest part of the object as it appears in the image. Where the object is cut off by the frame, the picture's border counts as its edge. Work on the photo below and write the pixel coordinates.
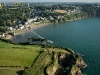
(91, 10)
(11, 16)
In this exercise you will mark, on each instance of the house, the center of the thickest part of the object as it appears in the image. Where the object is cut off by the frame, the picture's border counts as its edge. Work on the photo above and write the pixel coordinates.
(21, 26)
(26, 23)
(51, 18)
(34, 19)
(58, 17)
(2, 35)
(16, 26)
(30, 20)
(42, 18)
(10, 28)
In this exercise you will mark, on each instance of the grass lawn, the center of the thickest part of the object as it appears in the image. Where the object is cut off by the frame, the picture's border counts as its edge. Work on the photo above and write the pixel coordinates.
(10, 72)
(39, 65)
(18, 55)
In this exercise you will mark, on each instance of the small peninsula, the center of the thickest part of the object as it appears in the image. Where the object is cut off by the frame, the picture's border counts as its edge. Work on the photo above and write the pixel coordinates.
(56, 61)
(39, 60)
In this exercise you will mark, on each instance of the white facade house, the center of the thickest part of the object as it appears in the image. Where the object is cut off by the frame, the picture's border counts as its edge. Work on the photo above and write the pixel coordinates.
(2, 35)
(10, 28)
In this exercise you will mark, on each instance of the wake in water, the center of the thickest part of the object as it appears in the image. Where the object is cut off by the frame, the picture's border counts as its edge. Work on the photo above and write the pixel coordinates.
(41, 37)
(38, 35)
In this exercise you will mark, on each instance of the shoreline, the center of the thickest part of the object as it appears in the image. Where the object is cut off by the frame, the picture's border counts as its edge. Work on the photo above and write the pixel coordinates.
(22, 31)
(36, 26)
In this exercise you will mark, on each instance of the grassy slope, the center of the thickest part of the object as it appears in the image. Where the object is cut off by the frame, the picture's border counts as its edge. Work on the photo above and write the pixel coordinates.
(39, 65)
(45, 62)
(10, 72)
(17, 55)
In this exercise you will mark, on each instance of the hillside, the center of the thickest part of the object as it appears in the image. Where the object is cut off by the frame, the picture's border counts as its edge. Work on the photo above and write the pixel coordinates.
(56, 61)
(14, 58)
(38, 60)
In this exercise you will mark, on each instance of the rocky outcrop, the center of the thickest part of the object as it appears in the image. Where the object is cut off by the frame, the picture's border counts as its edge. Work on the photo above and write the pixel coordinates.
(71, 64)
(66, 64)
(75, 70)
(80, 63)
(60, 61)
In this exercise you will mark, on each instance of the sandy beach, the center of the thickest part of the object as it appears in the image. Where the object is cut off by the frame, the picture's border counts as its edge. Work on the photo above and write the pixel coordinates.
(22, 31)
(32, 27)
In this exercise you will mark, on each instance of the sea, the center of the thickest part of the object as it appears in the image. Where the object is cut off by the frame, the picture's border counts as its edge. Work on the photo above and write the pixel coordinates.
(82, 36)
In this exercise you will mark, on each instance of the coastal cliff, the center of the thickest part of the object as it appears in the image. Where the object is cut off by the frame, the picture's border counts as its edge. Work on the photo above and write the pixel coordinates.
(57, 61)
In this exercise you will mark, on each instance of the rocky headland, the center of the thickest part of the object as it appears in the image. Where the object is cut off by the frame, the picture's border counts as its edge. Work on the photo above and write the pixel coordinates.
(57, 61)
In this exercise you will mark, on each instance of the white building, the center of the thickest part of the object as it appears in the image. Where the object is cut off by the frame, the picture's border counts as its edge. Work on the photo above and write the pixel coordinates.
(9, 28)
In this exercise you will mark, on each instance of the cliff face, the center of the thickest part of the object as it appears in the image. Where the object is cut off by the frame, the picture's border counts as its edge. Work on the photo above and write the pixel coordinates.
(57, 61)
(75, 70)
(80, 63)
(67, 64)
(71, 64)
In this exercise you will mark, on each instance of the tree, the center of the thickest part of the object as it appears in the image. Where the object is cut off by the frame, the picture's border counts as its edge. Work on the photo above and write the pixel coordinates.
(9, 23)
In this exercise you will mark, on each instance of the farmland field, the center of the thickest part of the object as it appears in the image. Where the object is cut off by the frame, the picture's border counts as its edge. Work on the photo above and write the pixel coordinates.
(10, 72)
(60, 11)
(18, 55)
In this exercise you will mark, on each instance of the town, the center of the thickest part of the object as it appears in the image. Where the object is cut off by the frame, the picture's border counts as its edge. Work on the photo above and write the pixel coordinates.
(17, 16)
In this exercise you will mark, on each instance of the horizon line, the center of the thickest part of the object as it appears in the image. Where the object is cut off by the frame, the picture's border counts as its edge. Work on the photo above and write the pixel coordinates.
(54, 2)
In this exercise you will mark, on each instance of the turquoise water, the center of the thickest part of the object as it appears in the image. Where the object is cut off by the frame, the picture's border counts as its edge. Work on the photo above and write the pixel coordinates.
(83, 36)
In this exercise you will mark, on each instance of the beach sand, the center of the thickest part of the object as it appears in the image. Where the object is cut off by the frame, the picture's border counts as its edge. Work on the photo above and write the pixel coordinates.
(22, 31)
(33, 26)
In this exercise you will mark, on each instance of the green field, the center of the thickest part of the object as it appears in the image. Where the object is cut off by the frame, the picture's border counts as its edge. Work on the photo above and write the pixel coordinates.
(10, 72)
(39, 65)
(18, 55)
(13, 58)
